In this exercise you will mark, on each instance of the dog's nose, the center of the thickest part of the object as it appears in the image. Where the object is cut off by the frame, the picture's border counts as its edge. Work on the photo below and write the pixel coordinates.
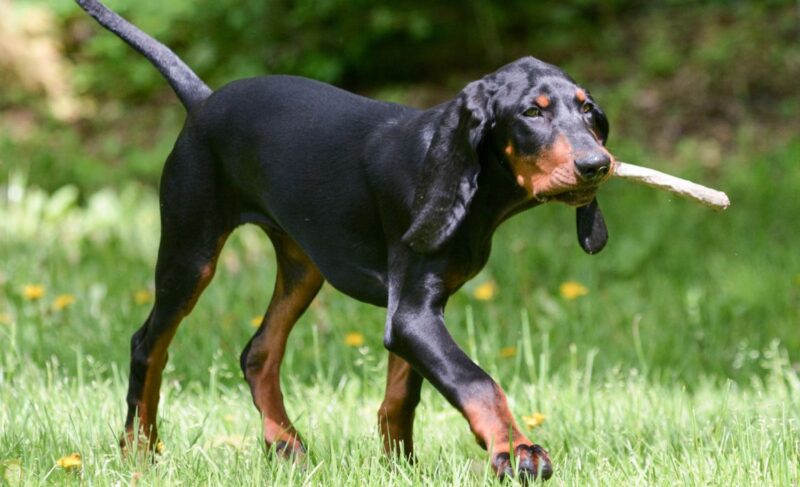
(593, 166)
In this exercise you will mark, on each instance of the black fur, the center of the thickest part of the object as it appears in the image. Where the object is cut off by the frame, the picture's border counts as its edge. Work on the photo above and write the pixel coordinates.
(393, 206)
(189, 88)
(449, 176)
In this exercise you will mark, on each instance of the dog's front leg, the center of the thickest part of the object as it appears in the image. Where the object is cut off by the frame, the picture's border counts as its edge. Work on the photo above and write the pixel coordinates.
(415, 331)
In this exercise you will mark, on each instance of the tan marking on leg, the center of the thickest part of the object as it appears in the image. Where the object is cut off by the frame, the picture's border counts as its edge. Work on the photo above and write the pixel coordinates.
(495, 430)
(147, 404)
(396, 413)
(289, 301)
(491, 422)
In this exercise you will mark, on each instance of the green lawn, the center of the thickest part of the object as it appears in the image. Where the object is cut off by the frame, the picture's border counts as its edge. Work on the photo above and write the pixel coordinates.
(618, 430)
(676, 366)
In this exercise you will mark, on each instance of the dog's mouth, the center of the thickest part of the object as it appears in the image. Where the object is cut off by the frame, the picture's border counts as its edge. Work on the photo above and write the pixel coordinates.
(575, 197)
(564, 185)
(550, 178)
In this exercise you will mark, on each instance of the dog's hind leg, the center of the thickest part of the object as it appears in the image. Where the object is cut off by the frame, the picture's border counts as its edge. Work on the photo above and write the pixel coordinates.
(297, 282)
(194, 229)
(396, 414)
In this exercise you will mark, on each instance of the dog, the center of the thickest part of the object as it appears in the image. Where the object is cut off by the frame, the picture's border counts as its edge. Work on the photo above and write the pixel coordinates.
(392, 205)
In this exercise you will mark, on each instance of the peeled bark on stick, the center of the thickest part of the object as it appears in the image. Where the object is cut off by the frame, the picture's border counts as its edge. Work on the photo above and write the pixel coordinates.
(657, 179)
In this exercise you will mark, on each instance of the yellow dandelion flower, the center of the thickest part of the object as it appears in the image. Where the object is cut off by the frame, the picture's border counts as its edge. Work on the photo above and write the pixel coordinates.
(142, 296)
(572, 290)
(534, 420)
(160, 447)
(70, 462)
(32, 292)
(63, 301)
(508, 352)
(486, 291)
(354, 339)
(255, 321)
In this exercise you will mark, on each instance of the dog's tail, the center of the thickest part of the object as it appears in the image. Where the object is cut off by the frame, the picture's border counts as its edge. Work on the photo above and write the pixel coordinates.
(187, 85)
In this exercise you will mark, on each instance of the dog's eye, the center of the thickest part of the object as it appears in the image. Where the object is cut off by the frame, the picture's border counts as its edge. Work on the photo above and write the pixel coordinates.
(532, 112)
(587, 108)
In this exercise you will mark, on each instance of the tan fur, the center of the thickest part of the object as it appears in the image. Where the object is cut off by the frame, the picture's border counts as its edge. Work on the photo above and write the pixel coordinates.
(147, 405)
(396, 414)
(491, 422)
(551, 172)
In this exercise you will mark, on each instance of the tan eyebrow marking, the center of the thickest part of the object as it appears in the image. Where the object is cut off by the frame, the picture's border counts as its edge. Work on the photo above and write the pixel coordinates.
(542, 101)
(580, 95)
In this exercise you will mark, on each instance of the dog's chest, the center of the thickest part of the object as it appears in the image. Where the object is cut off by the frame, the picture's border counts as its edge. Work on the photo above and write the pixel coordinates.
(467, 259)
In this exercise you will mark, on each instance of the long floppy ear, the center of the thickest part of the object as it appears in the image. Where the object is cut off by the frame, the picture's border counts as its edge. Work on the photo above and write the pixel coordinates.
(601, 123)
(449, 176)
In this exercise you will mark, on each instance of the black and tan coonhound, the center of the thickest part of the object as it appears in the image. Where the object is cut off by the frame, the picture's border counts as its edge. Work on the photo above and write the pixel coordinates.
(393, 206)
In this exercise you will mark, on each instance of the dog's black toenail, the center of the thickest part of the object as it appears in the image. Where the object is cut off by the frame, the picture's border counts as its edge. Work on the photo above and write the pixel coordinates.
(502, 465)
(545, 469)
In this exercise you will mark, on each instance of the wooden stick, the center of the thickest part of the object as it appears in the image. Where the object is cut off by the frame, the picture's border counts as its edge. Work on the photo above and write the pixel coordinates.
(657, 179)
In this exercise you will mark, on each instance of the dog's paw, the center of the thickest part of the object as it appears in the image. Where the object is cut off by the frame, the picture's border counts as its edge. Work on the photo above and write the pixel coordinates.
(141, 446)
(291, 450)
(532, 462)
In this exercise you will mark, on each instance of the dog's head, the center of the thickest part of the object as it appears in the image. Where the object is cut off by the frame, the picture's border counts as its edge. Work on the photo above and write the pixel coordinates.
(548, 134)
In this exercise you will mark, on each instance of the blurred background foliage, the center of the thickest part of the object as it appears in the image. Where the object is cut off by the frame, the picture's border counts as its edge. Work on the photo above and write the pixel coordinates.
(668, 71)
(706, 90)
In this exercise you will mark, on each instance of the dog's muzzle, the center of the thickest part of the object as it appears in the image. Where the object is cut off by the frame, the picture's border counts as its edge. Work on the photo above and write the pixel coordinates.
(593, 166)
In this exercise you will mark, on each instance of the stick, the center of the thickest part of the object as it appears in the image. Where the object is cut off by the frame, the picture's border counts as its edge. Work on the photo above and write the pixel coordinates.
(712, 198)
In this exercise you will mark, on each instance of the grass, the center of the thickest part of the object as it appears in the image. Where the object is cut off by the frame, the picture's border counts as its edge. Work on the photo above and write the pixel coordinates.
(620, 429)
(675, 367)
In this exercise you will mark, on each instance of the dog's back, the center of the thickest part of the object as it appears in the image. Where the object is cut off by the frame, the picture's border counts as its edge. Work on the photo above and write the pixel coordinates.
(285, 144)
